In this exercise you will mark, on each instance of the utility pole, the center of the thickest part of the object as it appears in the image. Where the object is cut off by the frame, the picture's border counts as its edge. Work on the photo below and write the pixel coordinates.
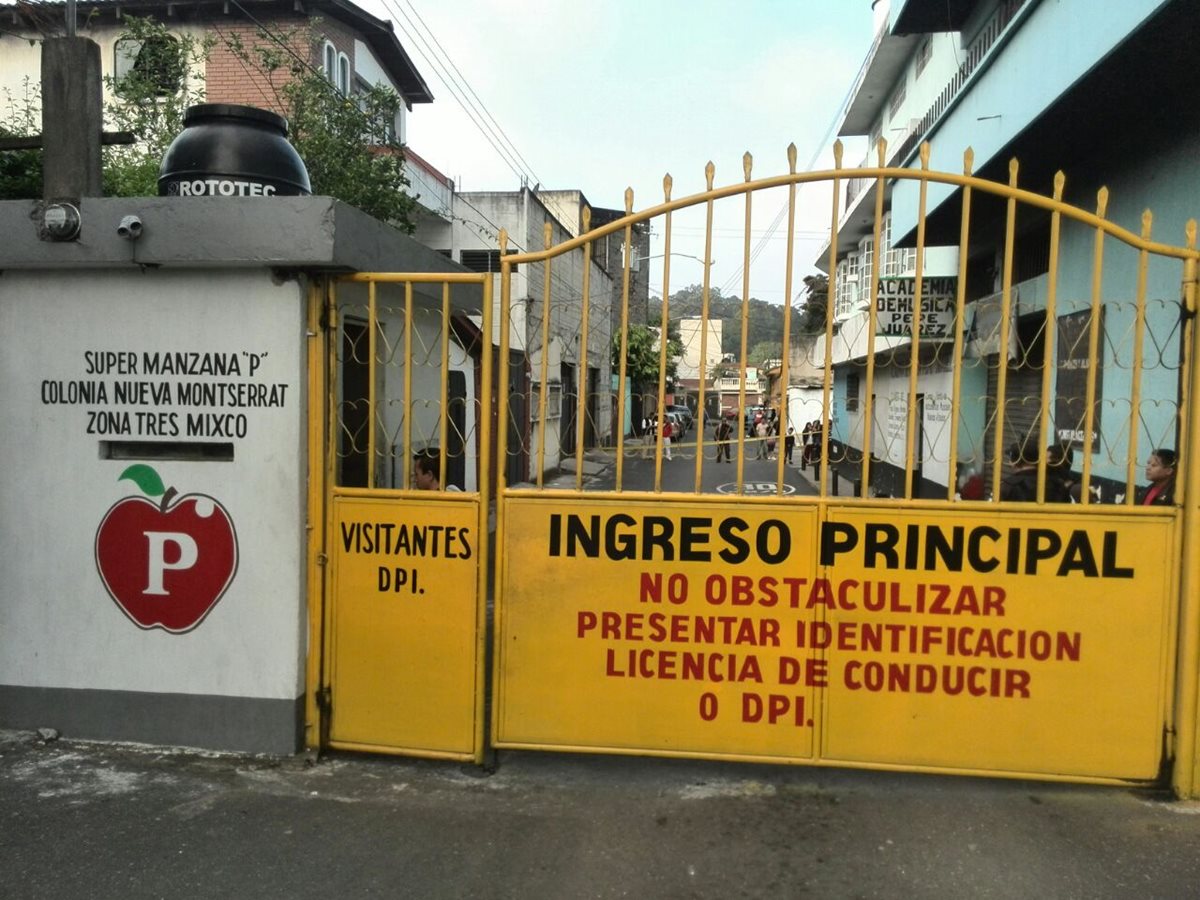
(72, 129)
(72, 119)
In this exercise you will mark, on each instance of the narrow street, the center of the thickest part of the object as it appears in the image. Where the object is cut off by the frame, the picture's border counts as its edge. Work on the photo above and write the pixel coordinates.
(122, 821)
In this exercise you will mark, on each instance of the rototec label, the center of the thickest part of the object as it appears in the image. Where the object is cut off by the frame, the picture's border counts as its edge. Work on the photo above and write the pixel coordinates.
(219, 187)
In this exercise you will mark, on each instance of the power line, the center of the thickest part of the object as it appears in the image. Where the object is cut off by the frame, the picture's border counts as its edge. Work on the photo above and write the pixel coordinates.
(466, 84)
(732, 280)
(327, 85)
(457, 92)
(469, 100)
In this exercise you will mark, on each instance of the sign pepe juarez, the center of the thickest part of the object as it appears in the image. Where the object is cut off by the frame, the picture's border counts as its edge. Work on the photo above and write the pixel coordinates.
(763, 632)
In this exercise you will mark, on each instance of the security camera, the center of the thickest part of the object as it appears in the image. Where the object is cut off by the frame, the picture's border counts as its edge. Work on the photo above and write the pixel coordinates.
(130, 228)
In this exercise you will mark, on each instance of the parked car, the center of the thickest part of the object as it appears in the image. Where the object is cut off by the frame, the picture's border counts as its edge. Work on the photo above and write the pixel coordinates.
(678, 425)
(684, 414)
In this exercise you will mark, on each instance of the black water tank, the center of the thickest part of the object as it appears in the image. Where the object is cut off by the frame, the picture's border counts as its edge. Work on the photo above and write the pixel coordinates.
(232, 151)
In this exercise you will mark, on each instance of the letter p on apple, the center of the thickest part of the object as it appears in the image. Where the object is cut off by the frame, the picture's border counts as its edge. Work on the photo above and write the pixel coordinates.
(157, 563)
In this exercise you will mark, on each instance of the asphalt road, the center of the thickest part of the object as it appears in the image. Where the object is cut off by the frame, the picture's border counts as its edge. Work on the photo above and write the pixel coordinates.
(759, 477)
(118, 821)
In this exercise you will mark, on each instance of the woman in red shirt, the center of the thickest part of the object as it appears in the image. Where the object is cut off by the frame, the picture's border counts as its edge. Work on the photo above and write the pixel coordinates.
(1160, 472)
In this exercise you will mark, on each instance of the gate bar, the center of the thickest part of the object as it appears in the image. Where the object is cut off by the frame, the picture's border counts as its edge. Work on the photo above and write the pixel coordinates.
(1010, 228)
(541, 457)
(709, 172)
(1187, 765)
(1089, 412)
(914, 339)
(1139, 334)
(960, 300)
(1050, 339)
(783, 419)
(747, 162)
(581, 375)
(372, 399)
(868, 405)
(316, 345)
(664, 320)
(830, 293)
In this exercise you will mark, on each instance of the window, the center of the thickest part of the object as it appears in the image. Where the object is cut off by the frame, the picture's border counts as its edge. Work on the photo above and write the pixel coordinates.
(336, 67)
(329, 62)
(852, 392)
(897, 101)
(866, 249)
(482, 260)
(155, 65)
(852, 278)
(924, 52)
(843, 298)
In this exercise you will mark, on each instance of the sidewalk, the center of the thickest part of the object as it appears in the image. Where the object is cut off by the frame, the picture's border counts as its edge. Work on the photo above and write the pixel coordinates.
(122, 821)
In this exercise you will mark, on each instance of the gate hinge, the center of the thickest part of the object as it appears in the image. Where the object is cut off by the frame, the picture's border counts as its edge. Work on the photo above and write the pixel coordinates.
(324, 700)
(322, 559)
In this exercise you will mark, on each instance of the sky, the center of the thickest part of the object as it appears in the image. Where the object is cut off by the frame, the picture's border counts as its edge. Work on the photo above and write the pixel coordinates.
(608, 95)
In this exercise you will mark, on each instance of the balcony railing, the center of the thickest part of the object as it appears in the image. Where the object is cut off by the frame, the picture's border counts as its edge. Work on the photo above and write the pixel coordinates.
(976, 53)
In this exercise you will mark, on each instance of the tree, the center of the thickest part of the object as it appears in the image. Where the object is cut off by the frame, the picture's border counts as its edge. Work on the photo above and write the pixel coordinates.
(764, 351)
(642, 355)
(764, 320)
(149, 101)
(813, 308)
(348, 144)
(21, 170)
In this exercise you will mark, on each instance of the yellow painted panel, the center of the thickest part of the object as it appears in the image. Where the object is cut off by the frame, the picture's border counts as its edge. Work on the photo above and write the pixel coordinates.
(405, 591)
(654, 626)
(1045, 652)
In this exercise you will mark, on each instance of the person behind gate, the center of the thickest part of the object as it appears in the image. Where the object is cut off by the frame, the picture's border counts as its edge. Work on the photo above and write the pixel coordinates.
(427, 464)
(1160, 472)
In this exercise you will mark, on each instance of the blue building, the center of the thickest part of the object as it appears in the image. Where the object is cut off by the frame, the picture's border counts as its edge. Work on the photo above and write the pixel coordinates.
(1093, 89)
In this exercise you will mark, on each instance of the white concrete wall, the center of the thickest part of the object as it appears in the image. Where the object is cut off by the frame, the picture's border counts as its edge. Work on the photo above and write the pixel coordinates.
(690, 334)
(58, 625)
(476, 220)
(369, 69)
(554, 357)
(804, 405)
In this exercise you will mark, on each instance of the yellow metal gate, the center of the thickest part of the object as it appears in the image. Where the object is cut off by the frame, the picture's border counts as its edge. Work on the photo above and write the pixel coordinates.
(403, 561)
(920, 541)
(970, 582)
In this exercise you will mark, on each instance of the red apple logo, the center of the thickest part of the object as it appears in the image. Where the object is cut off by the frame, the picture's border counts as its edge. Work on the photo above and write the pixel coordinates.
(166, 564)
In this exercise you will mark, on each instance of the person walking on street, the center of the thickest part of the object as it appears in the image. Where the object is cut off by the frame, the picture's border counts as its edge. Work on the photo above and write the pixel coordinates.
(760, 432)
(805, 444)
(648, 436)
(789, 444)
(723, 435)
